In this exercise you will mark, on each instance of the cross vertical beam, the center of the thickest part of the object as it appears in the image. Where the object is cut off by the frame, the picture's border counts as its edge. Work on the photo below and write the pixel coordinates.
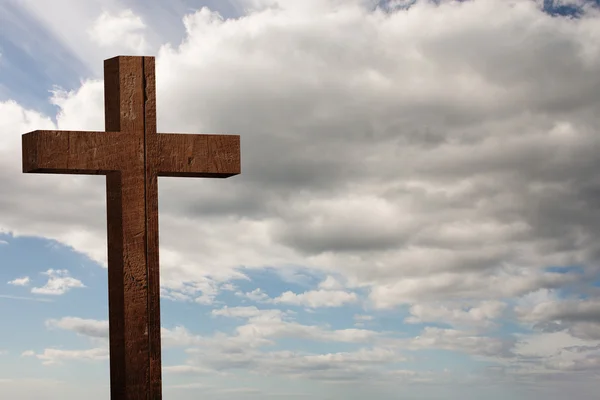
(132, 222)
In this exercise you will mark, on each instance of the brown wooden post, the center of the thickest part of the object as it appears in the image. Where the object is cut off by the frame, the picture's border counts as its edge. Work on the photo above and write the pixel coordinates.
(132, 155)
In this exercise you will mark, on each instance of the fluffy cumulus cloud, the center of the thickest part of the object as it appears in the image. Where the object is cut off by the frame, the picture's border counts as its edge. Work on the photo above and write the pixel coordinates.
(455, 340)
(273, 323)
(550, 313)
(58, 356)
(438, 160)
(317, 298)
(482, 314)
(125, 28)
(59, 282)
(20, 281)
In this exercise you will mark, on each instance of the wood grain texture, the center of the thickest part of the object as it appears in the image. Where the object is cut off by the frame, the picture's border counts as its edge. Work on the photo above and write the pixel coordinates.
(201, 156)
(151, 180)
(132, 155)
(64, 152)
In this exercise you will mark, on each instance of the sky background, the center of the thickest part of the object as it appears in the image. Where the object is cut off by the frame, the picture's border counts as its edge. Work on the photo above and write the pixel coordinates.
(416, 217)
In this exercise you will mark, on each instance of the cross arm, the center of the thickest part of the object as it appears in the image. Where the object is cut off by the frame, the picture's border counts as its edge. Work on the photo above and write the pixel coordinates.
(67, 152)
(200, 156)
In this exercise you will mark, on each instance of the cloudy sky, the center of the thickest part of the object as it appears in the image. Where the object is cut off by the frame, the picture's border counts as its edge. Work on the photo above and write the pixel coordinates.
(417, 216)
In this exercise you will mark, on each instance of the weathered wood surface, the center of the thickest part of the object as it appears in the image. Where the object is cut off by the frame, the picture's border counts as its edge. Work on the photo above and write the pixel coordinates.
(132, 155)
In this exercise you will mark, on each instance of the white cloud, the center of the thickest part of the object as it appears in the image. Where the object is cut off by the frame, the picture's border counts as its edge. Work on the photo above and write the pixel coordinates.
(125, 29)
(229, 287)
(202, 290)
(20, 281)
(361, 356)
(257, 295)
(79, 108)
(461, 341)
(58, 356)
(59, 282)
(265, 324)
(323, 297)
(483, 314)
(330, 283)
(567, 309)
(3, 242)
(546, 311)
(87, 327)
(178, 337)
(317, 298)
(500, 283)
(547, 344)
(546, 354)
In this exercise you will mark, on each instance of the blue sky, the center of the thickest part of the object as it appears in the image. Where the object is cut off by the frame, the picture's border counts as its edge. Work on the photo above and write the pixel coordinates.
(417, 212)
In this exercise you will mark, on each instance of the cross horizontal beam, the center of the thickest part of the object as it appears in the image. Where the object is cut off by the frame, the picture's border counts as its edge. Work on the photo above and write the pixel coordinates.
(98, 153)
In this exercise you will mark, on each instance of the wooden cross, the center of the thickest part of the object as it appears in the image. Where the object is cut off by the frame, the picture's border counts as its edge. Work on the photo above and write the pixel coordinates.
(132, 155)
